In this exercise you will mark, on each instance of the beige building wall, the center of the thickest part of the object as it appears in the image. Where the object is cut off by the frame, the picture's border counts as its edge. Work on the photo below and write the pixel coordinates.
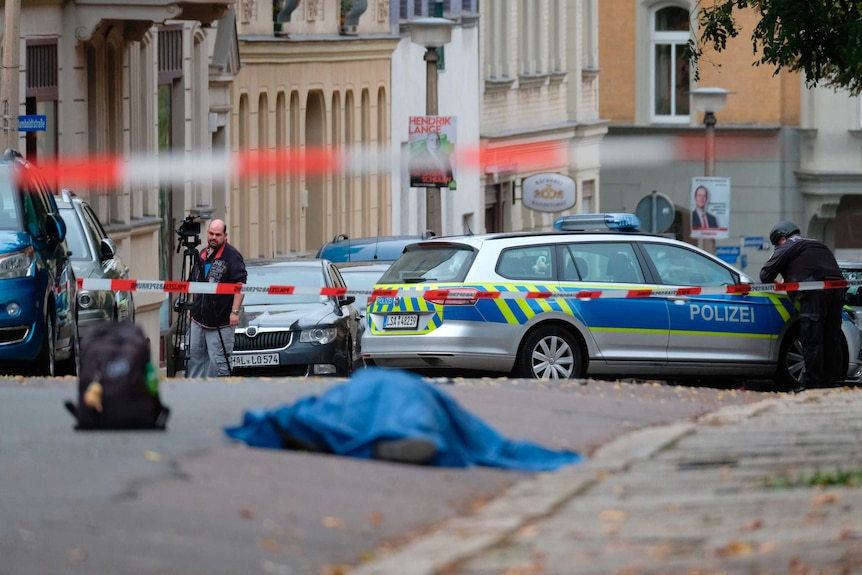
(299, 95)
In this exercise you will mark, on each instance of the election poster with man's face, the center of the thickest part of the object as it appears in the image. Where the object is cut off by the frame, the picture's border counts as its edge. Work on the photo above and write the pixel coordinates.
(431, 141)
(710, 207)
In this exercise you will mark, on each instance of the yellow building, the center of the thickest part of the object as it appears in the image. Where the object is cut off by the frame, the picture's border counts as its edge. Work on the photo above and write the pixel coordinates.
(309, 83)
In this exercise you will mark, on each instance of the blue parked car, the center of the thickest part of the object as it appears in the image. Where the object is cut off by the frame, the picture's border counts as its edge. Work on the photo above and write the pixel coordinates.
(38, 289)
(372, 249)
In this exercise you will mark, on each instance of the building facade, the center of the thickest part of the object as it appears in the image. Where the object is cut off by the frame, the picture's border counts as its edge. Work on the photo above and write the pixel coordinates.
(540, 97)
(656, 139)
(316, 79)
(458, 98)
(135, 82)
(830, 169)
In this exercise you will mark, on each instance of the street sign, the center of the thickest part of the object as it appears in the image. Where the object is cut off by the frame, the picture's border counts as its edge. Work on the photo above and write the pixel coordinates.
(33, 123)
(727, 254)
(743, 263)
(656, 213)
(754, 242)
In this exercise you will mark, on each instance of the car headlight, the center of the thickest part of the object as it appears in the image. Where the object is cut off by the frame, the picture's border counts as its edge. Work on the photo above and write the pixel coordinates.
(319, 335)
(17, 264)
(85, 299)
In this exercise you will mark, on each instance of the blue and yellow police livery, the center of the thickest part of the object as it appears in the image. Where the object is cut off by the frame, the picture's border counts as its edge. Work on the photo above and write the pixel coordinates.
(467, 303)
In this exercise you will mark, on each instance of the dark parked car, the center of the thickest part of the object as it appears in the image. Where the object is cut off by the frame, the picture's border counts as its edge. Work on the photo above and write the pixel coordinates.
(304, 333)
(94, 255)
(38, 290)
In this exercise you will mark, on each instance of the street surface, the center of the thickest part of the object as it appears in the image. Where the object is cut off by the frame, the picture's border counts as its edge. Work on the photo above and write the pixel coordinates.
(189, 501)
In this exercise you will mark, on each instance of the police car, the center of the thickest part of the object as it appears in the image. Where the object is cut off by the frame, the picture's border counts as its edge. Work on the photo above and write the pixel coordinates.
(568, 304)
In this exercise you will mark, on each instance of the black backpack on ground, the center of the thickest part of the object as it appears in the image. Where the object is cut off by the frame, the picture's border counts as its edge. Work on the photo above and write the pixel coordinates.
(118, 387)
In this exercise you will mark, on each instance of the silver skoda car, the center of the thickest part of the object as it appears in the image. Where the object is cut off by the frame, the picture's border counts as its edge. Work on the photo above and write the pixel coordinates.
(94, 255)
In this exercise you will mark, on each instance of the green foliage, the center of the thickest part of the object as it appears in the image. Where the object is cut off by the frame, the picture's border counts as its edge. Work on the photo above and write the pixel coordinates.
(819, 478)
(822, 38)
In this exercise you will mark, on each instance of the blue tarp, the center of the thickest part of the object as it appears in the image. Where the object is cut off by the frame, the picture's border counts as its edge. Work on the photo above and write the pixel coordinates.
(383, 404)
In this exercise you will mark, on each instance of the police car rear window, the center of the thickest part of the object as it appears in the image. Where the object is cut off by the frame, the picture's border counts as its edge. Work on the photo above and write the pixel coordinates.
(430, 263)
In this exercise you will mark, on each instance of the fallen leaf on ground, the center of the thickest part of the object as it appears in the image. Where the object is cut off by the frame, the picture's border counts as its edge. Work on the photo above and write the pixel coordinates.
(270, 545)
(753, 525)
(375, 518)
(735, 549)
(825, 499)
(151, 455)
(75, 555)
(612, 515)
(333, 523)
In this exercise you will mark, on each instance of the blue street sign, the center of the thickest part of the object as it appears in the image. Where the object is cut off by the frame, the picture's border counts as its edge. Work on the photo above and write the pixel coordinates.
(32, 123)
(727, 254)
(754, 242)
(727, 250)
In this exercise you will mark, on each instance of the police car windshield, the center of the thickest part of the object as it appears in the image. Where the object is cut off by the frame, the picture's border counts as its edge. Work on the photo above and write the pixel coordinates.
(430, 263)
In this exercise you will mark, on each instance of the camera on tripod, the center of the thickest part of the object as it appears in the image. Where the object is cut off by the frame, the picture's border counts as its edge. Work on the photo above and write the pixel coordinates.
(189, 237)
(189, 230)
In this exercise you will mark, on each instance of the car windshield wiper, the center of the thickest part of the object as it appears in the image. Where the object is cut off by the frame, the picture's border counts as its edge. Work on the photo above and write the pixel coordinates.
(419, 280)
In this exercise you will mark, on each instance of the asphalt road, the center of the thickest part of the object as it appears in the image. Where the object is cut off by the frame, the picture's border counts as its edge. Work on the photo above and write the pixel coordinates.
(189, 501)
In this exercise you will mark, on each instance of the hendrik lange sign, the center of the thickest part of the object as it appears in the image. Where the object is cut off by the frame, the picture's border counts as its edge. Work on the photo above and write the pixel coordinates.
(33, 123)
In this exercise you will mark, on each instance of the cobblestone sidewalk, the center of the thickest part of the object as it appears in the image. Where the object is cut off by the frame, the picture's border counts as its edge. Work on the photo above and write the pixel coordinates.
(734, 492)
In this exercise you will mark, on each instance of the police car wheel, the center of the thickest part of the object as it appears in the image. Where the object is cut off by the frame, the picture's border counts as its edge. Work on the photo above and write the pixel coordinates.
(549, 353)
(791, 362)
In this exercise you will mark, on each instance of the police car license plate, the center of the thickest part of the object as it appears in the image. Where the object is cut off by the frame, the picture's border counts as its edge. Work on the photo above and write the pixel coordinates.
(400, 321)
(253, 359)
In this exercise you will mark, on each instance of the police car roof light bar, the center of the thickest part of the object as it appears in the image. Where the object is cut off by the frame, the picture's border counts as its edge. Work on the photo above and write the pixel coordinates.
(619, 222)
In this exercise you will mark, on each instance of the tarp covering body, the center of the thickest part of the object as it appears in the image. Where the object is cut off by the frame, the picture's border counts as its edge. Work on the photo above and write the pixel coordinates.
(382, 404)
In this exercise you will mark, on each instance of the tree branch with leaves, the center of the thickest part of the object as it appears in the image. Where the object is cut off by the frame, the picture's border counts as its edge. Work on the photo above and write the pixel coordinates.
(821, 38)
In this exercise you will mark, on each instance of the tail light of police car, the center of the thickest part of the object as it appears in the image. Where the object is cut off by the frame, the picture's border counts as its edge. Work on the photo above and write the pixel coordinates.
(466, 296)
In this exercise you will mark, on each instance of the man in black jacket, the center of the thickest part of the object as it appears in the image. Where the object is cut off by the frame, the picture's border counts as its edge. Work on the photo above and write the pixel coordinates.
(215, 316)
(799, 259)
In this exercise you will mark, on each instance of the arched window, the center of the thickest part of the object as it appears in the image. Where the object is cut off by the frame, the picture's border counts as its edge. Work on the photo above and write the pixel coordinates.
(671, 80)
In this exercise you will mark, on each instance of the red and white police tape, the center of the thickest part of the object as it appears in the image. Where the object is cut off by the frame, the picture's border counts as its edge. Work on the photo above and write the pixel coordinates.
(458, 295)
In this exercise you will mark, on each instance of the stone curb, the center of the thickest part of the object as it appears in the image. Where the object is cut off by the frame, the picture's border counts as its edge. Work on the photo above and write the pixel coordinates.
(462, 538)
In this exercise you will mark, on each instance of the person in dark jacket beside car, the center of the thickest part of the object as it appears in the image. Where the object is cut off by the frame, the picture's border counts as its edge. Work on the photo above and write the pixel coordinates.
(215, 316)
(799, 259)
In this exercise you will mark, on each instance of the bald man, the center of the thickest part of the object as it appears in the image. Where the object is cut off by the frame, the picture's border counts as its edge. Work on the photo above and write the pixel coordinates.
(215, 316)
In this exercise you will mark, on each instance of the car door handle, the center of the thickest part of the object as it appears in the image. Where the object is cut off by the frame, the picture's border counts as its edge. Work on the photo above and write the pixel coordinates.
(680, 300)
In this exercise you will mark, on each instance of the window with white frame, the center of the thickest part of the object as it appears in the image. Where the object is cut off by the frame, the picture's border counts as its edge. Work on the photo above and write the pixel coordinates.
(531, 37)
(590, 34)
(496, 33)
(671, 81)
(556, 47)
